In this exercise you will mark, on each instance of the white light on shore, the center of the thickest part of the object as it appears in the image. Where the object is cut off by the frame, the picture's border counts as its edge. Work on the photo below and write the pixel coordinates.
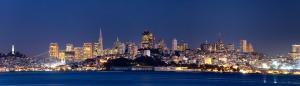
(55, 64)
(265, 66)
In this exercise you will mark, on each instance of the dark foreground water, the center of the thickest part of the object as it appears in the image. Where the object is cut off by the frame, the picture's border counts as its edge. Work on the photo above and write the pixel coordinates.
(144, 79)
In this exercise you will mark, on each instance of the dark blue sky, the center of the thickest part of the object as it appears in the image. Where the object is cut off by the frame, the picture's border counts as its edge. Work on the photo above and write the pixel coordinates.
(271, 25)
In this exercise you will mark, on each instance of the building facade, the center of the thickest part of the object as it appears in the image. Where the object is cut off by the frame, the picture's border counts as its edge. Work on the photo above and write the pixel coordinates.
(54, 50)
(147, 41)
(87, 50)
(295, 52)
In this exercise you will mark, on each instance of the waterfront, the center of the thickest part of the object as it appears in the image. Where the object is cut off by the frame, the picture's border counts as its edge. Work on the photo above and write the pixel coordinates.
(144, 79)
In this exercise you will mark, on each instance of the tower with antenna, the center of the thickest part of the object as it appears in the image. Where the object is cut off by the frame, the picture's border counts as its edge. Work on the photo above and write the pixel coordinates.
(13, 49)
(100, 40)
(98, 46)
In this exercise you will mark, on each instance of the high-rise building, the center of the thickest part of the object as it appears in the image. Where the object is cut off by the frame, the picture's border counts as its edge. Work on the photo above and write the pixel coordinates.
(174, 44)
(100, 41)
(206, 47)
(97, 51)
(161, 44)
(78, 51)
(230, 47)
(295, 52)
(182, 46)
(250, 48)
(98, 46)
(296, 48)
(246, 47)
(69, 47)
(119, 47)
(87, 50)
(243, 46)
(122, 48)
(220, 46)
(134, 50)
(69, 53)
(147, 41)
(131, 49)
(53, 50)
(61, 56)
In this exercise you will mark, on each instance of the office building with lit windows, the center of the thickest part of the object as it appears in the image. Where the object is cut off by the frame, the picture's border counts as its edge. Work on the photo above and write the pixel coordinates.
(87, 50)
(54, 50)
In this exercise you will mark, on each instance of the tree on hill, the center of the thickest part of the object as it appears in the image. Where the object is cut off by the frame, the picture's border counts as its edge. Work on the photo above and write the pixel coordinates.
(149, 61)
(120, 62)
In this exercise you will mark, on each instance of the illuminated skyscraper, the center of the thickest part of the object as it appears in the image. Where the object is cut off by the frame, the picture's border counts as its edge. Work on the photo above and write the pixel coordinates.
(78, 53)
(97, 51)
(53, 50)
(69, 52)
(243, 46)
(69, 47)
(98, 46)
(87, 50)
(174, 44)
(250, 48)
(147, 41)
(246, 47)
(61, 56)
(296, 48)
(100, 41)
(295, 52)
(182, 46)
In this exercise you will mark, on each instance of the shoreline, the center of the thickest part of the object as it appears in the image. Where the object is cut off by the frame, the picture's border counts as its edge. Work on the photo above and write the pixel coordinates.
(102, 71)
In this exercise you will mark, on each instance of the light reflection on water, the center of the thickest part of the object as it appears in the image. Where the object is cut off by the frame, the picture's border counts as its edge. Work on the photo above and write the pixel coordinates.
(145, 78)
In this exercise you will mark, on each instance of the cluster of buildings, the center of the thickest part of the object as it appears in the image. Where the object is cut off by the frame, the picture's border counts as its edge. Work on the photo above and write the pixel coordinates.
(209, 56)
(214, 53)
(71, 53)
(129, 49)
(215, 56)
(218, 53)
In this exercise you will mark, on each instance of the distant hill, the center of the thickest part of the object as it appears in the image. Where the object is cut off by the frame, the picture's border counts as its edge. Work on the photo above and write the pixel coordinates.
(17, 59)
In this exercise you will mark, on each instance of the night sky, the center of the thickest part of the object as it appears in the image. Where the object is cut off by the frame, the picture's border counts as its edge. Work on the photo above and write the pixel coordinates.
(270, 25)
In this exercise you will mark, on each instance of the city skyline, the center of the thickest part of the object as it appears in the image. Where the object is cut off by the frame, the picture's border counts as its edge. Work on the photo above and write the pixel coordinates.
(32, 26)
(150, 42)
